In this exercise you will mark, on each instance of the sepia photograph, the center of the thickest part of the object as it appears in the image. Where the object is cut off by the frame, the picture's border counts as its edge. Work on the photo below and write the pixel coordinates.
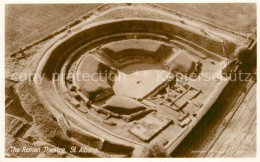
(130, 80)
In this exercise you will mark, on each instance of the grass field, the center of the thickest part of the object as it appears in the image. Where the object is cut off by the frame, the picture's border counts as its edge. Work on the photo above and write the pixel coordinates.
(26, 23)
(240, 17)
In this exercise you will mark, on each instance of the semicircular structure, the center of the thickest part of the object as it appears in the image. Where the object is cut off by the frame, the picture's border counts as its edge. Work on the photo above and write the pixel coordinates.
(122, 85)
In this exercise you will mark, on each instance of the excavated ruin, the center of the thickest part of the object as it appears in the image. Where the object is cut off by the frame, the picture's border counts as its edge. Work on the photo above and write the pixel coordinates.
(153, 96)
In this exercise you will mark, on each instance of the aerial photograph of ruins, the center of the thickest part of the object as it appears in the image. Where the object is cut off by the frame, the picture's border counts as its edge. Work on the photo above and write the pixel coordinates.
(130, 80)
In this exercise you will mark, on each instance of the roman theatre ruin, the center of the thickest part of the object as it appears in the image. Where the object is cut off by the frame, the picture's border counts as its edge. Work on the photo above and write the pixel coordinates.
(157, 92)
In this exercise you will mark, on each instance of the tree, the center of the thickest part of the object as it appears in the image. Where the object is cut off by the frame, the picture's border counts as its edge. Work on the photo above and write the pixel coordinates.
(243, 54)
(154, 150)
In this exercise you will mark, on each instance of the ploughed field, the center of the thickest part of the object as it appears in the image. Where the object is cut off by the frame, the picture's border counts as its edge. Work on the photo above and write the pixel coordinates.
(27, 23)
